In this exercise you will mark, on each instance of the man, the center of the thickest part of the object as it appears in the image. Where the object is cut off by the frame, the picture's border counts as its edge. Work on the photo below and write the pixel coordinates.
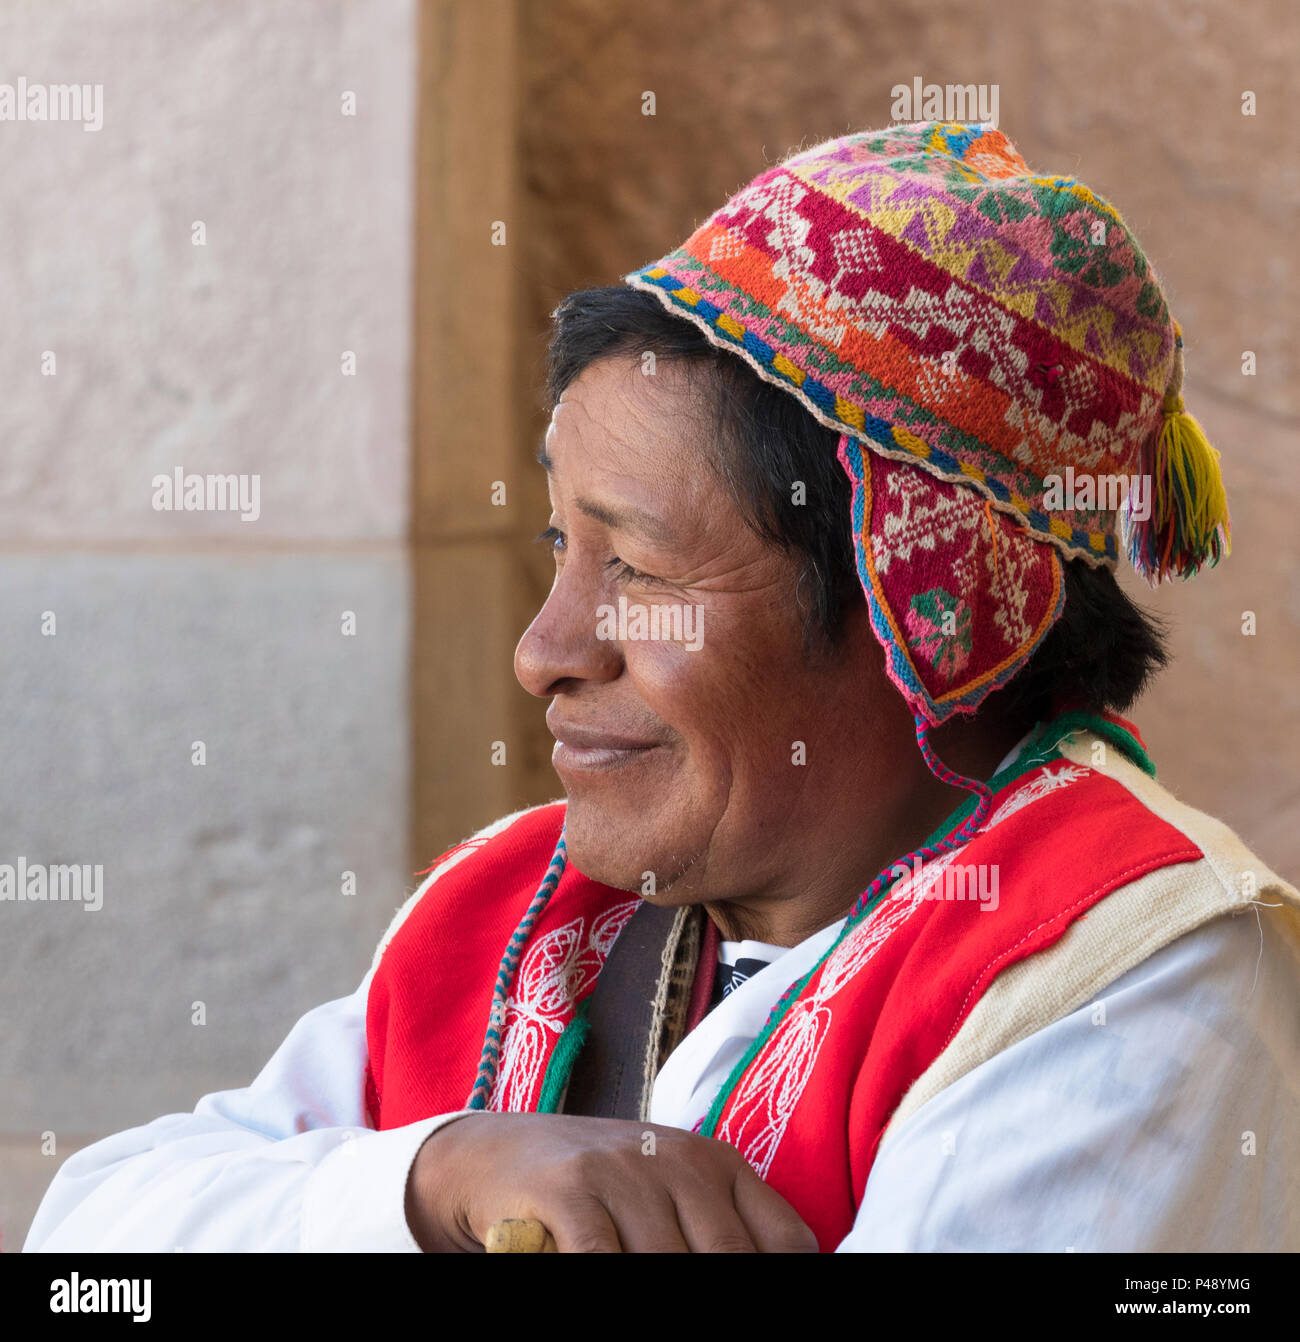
(865, 924)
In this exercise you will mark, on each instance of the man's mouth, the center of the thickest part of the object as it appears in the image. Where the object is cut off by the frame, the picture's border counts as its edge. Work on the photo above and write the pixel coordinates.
(590, 749)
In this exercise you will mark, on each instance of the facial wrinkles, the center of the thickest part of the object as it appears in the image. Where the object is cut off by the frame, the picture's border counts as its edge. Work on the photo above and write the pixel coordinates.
(655, 667)
(718, 559)
(736, 757)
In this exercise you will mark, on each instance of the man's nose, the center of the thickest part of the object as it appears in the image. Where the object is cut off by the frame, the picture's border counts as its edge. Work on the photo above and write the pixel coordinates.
(562, 644)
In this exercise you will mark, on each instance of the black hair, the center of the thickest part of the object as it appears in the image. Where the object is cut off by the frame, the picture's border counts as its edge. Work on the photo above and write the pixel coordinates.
(1101, 652)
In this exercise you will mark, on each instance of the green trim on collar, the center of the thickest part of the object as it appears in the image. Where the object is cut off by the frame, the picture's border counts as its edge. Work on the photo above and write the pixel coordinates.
(1067, 724)
(1031, 756)
(565, 1054)
(1041, 748)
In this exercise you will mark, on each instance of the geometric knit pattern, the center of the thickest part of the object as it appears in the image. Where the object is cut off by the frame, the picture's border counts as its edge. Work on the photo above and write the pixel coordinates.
(958, 598)
(920, 289)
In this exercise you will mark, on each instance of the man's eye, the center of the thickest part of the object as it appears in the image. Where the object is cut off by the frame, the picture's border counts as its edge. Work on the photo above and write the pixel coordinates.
(551, 536)
(626, 573)
(623, 572)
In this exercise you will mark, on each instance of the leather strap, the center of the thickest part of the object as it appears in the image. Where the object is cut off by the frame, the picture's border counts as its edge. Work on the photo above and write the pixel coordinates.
(636, 1013)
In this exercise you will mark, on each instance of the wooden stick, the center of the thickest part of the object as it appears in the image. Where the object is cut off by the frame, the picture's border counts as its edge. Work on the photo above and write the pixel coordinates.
(519, 1236)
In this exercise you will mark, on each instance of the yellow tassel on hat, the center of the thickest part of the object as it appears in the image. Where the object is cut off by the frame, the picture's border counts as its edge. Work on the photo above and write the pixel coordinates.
(1188, 524)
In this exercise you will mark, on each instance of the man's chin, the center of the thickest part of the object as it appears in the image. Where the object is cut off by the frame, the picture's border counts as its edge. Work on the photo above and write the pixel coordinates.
(602, 847)
(619, 849)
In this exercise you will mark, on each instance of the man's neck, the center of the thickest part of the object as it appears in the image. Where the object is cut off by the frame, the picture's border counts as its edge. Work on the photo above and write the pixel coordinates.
(850, 866)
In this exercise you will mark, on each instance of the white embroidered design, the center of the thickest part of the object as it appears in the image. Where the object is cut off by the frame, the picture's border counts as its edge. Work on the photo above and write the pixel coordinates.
(769, 1090)
(1045, 783)
(555, 970)
(760, 1108)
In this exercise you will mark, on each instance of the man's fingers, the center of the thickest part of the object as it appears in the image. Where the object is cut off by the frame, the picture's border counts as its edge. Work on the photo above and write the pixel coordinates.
(582, 1225)
(773, 1223)
(713, 1225)
(647, 1222)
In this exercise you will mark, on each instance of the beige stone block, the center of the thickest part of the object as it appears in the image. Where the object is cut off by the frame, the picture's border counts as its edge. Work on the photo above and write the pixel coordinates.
(222, 882)
(224, 358)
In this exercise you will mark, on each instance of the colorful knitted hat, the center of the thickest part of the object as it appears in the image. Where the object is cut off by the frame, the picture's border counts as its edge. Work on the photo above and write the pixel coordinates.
(999, 345)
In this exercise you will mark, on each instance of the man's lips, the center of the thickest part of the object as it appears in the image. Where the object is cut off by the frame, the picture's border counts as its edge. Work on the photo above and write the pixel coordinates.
(594, 748)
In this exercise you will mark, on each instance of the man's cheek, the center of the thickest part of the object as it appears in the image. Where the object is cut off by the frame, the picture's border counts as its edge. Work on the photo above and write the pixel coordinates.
(672, 681)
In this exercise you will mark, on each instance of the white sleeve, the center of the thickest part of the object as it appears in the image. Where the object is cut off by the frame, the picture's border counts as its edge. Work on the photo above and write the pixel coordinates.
(289, 1163)
(1170, 1122)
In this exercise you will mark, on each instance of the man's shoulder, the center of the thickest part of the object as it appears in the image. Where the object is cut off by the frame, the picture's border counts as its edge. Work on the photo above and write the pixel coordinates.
(523, 840)
(1228, 867)
(1128, 1109)
(1141, 916)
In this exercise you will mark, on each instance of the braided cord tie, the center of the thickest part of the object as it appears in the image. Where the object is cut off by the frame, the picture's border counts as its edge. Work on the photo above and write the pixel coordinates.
(959, 836)
(954, 840)
(491, 1055)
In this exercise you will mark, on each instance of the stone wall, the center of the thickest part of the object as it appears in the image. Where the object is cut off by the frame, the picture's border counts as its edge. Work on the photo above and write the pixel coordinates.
(127, 633)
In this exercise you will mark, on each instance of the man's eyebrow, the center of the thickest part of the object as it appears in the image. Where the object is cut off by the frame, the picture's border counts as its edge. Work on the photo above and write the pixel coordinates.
(627, 518)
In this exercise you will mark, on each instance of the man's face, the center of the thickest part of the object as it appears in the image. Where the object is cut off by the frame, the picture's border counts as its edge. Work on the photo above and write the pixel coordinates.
(717, 769)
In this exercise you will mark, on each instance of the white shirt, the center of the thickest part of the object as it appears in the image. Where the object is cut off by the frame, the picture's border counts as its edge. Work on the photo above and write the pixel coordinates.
(1173, 1126)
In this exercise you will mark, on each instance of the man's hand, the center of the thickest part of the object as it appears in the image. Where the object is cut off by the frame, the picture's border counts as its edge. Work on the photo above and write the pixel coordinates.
(592, 1184)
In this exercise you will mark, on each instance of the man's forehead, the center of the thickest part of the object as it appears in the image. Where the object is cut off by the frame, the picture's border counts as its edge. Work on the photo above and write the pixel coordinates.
(608, 498)
(657, 485)
(658, 453)
(625, 407)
